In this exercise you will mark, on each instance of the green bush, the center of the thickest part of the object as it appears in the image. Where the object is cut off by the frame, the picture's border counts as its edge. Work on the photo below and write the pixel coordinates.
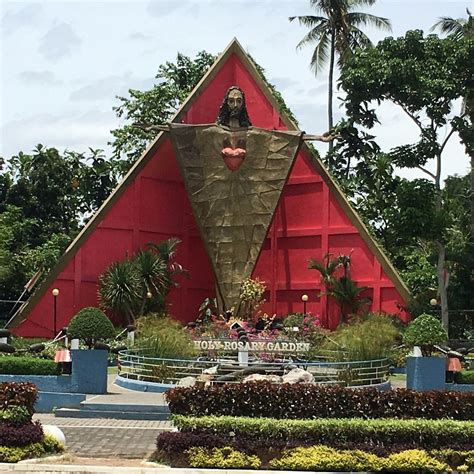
(464, 377)
(16, 415)
(425, 331)
(48, 446)
(324, 458)
(222, 458)
(414, 460)
(27, 365)
(164, 337)
(367, 338)
(427, 433)
(90, 325)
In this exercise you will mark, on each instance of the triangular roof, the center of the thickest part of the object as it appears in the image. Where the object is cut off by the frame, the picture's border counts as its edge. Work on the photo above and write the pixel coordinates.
(234, 48)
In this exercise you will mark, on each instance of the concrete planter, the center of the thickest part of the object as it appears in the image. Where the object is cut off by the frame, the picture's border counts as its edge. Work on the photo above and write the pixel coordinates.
(426, 373)
(89, 370)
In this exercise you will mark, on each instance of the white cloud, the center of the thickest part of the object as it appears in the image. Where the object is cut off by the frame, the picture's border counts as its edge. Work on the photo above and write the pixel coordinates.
(39, 77)
(74, 131)
(58, 42)
(26, 17)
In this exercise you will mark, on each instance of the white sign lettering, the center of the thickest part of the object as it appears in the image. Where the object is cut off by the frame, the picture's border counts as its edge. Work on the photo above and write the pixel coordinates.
(231, 345)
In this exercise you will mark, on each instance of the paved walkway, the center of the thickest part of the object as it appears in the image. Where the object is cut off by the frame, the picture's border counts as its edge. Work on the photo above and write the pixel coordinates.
(105, 438)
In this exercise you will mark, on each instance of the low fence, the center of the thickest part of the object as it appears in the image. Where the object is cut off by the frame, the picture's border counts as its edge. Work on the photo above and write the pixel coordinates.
(137, 365)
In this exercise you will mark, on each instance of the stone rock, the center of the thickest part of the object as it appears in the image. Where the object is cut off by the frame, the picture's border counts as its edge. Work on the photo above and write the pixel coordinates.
(261, 377)
(298, 376)
(211, 370)
(187, 382)
(205, 378)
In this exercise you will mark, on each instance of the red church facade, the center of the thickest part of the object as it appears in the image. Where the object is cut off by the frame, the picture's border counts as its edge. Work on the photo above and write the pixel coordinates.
(313, 218)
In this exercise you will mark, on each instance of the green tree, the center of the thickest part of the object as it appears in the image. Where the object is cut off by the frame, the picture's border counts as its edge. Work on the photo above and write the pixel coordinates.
(157, 105)
(461, 29)
(423, 76)
(336, 32)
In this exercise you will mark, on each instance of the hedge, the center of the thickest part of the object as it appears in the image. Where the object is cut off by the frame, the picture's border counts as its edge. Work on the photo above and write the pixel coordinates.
(464, 377)
(48, 445)
(170, 445)
(14, 365)
(297, 401)
(325, 458)
(21, 394)
(12, 434)
(427, 433)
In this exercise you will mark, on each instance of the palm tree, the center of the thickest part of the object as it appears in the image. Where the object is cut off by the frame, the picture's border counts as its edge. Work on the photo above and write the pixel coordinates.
(336, 33)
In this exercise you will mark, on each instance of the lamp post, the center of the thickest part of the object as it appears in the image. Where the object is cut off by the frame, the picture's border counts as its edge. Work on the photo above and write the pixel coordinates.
(55, 294)
(304, 299)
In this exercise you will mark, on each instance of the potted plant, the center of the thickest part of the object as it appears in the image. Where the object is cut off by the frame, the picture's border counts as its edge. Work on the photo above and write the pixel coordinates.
(426, 372)
(89, 367)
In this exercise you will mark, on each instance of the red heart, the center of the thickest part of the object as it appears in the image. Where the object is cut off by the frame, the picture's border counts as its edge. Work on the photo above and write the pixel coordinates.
(233, 157)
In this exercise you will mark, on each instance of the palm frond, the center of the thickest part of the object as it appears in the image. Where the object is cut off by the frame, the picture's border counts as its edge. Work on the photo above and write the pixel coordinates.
(321, 53)
(359, 18)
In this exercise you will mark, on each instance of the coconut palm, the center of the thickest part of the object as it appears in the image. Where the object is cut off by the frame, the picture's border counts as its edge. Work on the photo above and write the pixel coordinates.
(457, 28)
(336, 32)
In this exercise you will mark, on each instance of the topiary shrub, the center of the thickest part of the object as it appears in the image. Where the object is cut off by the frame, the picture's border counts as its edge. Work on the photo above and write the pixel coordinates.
(464, 377)
(222, 458)
(425, 331)
(27, 365)
(90, 325)
(18, 394)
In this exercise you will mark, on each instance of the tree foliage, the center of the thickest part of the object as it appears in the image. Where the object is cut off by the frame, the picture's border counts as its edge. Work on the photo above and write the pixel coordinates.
(157, 105)
(423, 76)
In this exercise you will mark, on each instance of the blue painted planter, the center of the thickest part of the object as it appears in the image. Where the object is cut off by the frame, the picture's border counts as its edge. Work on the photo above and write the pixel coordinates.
(426, 373)
(89, 370)
(460, 387)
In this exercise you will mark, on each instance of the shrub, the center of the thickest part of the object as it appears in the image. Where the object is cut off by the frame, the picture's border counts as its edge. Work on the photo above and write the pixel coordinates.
(425, 331)
(12, 434)
(263, 399)
(324, 458)
(164, 338)
(222, 458)
(464, 377)
(171, 445)
(427, 433)
(15, 415)
(364, 339)
(251, 296)
(414, 460)
(18, 394)
(90, 325)
(48, 445)
(27, 365)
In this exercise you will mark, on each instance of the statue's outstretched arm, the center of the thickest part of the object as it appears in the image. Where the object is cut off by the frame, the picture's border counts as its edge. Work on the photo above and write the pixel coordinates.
(325, 137)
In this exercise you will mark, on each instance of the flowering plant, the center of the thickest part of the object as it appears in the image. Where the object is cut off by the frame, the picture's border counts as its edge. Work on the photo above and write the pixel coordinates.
(251, 296)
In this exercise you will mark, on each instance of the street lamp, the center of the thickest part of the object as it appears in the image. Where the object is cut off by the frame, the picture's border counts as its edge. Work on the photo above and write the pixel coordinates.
(433, 301)
(55, 294)
(304, 299)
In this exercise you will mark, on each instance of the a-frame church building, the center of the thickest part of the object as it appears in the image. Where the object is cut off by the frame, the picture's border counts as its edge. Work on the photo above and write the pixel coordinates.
(312, 218)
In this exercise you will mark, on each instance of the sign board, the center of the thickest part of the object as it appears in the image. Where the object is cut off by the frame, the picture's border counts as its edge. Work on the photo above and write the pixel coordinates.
(232, 345)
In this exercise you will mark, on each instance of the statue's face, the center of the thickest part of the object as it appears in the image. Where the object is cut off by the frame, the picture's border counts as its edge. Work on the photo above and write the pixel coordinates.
(235, 102)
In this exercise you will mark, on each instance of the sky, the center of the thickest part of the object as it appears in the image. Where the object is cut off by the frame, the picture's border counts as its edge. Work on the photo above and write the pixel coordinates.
(62, 63)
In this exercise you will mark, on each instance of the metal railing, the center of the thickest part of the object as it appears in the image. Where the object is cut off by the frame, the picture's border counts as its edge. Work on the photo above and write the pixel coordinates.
(137, 365)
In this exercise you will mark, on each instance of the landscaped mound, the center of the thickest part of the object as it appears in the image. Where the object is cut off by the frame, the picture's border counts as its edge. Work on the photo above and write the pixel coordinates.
(287, 401)
(20, 437)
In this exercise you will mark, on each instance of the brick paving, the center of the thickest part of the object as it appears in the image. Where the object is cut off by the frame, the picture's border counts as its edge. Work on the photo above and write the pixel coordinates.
(102, 438)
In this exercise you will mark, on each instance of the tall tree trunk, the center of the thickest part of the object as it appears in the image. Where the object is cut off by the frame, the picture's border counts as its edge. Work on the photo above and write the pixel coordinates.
(443, 284)
(441, 266)
(330, 80)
